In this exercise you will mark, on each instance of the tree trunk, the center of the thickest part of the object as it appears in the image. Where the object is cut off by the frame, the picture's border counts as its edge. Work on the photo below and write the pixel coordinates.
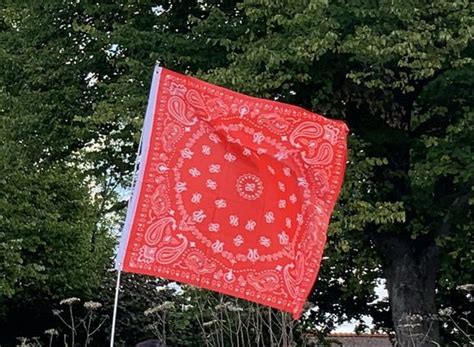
(411, 276)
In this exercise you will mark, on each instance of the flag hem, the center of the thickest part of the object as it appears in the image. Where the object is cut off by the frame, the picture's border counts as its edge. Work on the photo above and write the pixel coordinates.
(142, 159)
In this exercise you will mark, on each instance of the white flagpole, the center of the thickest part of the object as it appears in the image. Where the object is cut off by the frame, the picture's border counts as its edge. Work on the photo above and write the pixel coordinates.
(119, 261)
(114, 315)
(145, 136)
(119, 265)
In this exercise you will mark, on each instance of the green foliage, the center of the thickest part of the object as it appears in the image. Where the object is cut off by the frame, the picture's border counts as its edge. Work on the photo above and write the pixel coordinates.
(52, 241)
(47, 222)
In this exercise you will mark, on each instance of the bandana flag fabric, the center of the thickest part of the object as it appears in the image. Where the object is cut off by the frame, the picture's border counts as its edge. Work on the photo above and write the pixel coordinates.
(234, 193)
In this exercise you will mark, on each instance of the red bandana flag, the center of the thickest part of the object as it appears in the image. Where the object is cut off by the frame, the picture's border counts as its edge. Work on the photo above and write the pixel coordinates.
(234, 193)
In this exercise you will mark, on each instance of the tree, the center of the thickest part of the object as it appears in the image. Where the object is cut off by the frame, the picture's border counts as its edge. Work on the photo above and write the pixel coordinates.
(52, 243)
(400, 74)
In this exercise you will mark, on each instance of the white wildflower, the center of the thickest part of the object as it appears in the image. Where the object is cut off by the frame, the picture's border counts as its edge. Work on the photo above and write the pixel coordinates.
(51, 332)
(448, 311)
(229, 306)
(69, 301)
(234, 308)
(466, 287)
(220, 306)
(207, 324)
(92, 305)
(57, 312)
(162, 307)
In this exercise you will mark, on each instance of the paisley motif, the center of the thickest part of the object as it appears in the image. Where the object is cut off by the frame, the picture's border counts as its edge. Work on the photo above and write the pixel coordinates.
(177, 108)
(331, 133)
(169, 254)
(160, 201)
(177, 89)
(155, 231)
(293, 275)
(304, 131)
(274, 122)
(198, 263)
(170, 136)
(264, 281)
(314, 234)
(322, 182)
(195, 99)
(323, 156)
(146, 254)
(216, 108)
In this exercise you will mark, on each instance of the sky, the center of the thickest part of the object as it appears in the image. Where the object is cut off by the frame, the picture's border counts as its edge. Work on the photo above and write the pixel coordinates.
(349, 327)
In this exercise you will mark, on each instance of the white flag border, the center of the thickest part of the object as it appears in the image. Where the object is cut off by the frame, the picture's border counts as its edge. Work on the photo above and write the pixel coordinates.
(140, 163)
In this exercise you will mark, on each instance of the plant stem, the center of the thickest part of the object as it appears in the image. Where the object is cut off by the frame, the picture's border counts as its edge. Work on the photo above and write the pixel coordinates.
(73, 327)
